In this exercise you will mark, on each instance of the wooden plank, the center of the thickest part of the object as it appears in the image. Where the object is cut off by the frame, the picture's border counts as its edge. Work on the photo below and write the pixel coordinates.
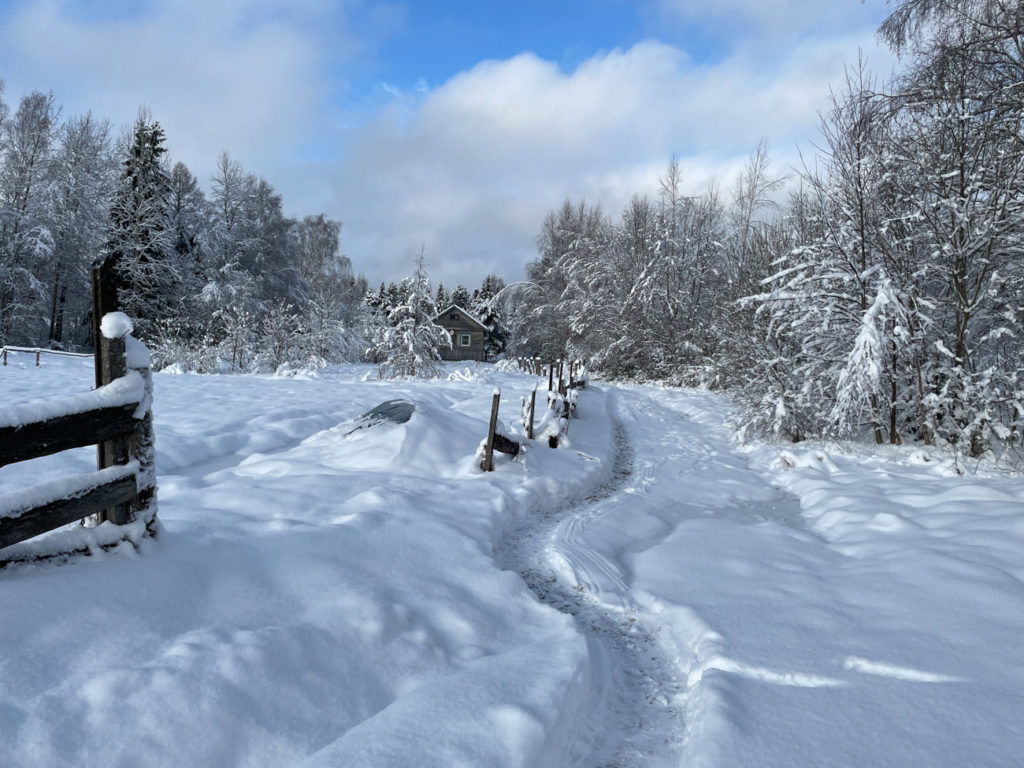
(30, 441)
(507, 445)
(46, 517)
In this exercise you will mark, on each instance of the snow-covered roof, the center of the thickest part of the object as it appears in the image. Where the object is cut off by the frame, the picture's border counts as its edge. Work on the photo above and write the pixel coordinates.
(456, 307)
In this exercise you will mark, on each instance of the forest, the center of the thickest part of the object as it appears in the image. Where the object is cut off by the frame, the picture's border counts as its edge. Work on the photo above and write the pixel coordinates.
(874, 294)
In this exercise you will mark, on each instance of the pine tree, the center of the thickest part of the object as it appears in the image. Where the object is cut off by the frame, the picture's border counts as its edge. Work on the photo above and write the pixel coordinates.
(459, 297)
(411, 344)
(140, 241)
(486, 306)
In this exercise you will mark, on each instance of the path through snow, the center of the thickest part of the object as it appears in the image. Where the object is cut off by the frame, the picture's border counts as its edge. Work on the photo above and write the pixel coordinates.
(634, 717)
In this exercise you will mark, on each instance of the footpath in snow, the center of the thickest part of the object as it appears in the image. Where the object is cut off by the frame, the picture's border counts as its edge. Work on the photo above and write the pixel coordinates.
(325, 597)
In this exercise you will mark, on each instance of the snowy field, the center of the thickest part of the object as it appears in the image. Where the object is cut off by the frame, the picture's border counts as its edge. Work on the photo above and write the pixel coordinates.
(327, 597)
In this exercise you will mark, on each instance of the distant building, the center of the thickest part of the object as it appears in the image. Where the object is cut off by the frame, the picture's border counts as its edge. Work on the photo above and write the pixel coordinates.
(466, 331)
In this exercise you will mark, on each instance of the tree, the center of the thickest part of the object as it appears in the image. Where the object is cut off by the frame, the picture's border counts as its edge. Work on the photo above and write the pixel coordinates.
(411, 344)
(459, 297)
(140, 241)
(26, 242)
(488, 309)
(83, 172)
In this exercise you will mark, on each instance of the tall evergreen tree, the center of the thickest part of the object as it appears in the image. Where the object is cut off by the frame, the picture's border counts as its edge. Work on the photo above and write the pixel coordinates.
(410, 345)
(140, 241)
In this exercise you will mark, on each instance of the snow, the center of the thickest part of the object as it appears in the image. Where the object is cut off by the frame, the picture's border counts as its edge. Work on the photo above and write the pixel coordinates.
(127, 389)
(116, 325)
(326, 595)
(71, 487)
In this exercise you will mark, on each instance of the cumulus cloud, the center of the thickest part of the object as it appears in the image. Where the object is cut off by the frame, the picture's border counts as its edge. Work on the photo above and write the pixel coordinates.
(471, 169)
(468, 167)
(248, 77)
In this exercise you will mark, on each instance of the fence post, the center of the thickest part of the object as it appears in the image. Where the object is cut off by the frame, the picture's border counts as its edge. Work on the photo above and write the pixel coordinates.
(5, 355)
(104, 300)
(141, 443)
(110, 365)
(551, 376)
(533, 409)
(487, 463)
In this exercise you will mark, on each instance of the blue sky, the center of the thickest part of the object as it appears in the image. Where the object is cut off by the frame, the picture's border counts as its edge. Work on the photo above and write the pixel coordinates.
(455, 124)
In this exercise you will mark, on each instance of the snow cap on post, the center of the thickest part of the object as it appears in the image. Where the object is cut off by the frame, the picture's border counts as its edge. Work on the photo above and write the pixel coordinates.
(497, 391)
(116, 325)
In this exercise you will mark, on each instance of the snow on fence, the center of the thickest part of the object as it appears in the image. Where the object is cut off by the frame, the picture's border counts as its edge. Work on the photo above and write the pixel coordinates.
(554, 424)
(116, 417)
(37, 351)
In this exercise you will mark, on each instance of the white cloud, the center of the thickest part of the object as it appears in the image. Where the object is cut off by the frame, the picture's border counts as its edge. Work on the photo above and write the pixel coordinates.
(472, 168)
(247, 77)
(468, 167)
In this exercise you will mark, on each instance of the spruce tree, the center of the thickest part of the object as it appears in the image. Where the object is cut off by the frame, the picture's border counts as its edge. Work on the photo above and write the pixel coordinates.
(140, 241)
(410, 345)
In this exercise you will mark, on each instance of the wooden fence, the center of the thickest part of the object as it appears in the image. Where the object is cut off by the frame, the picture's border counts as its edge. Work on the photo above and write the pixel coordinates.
(561, 403)
(37, 351)
(116, 417)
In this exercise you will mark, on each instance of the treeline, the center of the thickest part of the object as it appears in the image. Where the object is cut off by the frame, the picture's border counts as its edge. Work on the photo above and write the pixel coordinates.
(214, 279)
(884, 299)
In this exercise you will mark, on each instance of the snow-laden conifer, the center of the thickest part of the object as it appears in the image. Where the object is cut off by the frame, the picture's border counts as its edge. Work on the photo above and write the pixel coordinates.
(410, 344)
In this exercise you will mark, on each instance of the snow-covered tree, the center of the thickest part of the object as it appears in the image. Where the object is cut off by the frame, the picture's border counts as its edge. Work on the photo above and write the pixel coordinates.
(83, 172)
(26, 240)
(486, 305)
(410, 345)
(140, 241)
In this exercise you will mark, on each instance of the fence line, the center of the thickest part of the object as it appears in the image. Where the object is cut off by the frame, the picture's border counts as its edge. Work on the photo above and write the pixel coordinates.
(37, 351)
(561, 403)
(116, 417)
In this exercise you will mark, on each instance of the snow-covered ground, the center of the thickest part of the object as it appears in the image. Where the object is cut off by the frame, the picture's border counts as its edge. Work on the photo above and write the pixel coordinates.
(326, 597)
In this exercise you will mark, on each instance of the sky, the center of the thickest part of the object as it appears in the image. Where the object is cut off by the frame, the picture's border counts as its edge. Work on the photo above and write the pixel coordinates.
(452, 125)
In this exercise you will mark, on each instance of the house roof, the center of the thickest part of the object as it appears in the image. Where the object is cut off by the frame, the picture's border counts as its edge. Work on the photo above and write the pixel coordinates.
(456, 307)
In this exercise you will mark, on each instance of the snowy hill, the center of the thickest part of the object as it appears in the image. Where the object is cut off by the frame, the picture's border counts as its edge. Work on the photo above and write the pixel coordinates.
(324, 595)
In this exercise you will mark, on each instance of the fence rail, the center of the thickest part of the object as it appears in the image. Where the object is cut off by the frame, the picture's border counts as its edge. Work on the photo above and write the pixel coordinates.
(37, 351)
(116, 418)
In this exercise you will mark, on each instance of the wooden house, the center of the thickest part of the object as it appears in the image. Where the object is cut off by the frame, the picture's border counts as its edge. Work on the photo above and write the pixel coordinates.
(467, 334)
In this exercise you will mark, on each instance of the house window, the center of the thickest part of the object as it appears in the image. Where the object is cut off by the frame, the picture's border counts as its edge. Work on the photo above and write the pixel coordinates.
(464, 340)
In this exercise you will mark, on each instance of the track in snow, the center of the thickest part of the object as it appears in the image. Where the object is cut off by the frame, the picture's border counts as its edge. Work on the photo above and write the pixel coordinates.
(633, 719)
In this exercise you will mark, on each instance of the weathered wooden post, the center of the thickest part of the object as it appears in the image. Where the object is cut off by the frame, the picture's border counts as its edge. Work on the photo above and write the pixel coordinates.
(533, 409)
(37, 358)
(5, 355)
(141, 442)
(551, 376)
(109, 364)
(104, 300)
(487, 463)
